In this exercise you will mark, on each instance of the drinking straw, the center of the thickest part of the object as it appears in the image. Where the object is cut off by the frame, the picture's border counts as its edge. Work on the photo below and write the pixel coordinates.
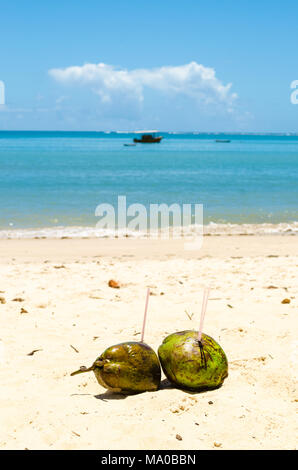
(204, 308)
(145, 314)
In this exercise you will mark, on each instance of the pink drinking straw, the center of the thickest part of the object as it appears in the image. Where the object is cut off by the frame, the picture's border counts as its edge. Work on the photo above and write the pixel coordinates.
(204, 308)
(145, 314)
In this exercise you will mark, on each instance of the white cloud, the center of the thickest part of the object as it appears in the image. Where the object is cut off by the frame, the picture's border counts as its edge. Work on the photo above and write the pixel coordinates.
(191, 80)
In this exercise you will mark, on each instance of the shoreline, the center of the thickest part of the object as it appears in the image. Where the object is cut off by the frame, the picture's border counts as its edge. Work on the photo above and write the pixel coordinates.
(210, 229)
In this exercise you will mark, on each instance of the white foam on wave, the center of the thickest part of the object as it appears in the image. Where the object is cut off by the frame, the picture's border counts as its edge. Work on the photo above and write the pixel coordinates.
(251, 229)
(210, 229)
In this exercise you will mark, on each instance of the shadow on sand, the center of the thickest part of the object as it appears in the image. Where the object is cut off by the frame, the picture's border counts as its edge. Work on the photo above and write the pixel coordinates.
(108, 395)
(165, 384)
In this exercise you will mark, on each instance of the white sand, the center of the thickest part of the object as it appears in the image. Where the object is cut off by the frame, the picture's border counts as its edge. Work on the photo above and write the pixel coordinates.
(64, 287)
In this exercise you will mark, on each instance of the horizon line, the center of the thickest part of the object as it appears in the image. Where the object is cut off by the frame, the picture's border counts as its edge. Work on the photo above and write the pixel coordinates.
(280, 133)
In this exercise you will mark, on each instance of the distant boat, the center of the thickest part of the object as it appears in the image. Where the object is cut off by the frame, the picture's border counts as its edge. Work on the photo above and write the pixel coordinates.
(129, 145)
(148, 137)
(223, 141)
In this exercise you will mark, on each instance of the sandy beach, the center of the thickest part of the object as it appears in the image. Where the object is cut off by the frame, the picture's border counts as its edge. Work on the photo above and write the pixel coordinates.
(55, 300)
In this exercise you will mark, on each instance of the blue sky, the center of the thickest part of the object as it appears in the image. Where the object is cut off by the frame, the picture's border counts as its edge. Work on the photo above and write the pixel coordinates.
(220, 65)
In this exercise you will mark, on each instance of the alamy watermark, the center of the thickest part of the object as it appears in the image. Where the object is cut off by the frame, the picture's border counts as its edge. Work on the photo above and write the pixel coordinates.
(294, 94)
(160, 222)
(2, 93)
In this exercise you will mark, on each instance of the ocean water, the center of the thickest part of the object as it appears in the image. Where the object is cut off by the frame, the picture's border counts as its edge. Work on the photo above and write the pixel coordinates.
(52, 182)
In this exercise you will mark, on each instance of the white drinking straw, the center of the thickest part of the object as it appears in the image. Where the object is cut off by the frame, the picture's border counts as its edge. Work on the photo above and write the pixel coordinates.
(204, 308)
(145, 314)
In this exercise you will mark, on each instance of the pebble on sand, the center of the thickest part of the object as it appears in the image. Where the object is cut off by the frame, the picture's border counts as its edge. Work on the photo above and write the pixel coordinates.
(114, 284)
(217, 444)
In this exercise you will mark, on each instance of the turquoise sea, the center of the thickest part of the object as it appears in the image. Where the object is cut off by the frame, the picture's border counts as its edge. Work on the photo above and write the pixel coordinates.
(53, 181)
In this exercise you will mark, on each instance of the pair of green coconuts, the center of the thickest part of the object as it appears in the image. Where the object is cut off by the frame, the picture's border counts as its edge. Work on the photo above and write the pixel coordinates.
(188, 363)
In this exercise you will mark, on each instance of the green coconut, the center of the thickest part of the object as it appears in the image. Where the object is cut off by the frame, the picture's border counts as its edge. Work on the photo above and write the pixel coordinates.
(128, 368)
(192, 364)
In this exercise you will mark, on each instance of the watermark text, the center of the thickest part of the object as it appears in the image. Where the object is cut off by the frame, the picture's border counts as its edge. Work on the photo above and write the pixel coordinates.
(2, 93)
(294, 94)
(161, 221)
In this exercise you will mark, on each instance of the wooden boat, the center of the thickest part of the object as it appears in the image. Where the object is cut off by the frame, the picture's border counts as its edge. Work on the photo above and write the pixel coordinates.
(223, 141)
(148, 137)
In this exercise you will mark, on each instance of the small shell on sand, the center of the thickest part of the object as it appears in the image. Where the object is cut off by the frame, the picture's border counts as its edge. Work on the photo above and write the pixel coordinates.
(286, 301)
(217, 444)
(114, 284)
